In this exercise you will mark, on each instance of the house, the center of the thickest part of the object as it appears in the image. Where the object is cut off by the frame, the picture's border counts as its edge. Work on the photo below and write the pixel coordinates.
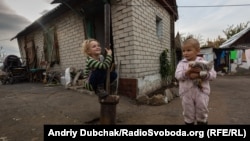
(207, 53)
(139, 31)
(235, 52)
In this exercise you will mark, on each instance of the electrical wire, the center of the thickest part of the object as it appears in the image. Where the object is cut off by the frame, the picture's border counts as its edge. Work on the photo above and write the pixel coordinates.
(233, 5)
(4, 39)
(186, 6)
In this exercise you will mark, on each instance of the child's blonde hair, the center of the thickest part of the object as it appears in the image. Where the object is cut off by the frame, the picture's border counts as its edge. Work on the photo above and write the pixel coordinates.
(195, 43)
(86, 45)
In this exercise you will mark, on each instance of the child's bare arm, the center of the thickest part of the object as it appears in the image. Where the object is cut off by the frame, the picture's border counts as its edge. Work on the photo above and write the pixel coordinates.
(109, 51)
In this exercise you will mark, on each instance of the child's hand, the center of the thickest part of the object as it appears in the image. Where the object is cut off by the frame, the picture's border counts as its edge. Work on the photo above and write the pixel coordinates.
(187, 73)
(190, 70)
(109, 51)
(194, 75)
(196, 70)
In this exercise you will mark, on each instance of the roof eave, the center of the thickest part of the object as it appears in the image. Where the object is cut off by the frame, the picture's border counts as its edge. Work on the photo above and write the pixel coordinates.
(170, 7)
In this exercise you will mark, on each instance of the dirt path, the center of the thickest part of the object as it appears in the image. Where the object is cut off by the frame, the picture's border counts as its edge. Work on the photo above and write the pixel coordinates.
(26, 107)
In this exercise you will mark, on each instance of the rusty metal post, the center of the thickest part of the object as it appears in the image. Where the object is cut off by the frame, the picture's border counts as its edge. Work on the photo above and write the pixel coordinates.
(108, 109)
(108, 113)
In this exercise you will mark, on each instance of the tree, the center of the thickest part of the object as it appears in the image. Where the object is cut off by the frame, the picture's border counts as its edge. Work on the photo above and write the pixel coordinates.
(232, 30)
(229, 32)
(198, 37)
(215, 43)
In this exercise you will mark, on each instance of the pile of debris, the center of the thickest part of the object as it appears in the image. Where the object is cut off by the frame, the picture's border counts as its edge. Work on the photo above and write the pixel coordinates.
(72, 79)
(159, 98)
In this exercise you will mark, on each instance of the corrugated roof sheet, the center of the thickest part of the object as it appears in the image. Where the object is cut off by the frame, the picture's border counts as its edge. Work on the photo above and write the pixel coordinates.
(233, 39)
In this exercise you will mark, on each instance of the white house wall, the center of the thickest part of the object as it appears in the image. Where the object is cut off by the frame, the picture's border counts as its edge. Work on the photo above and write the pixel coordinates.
(136, 43)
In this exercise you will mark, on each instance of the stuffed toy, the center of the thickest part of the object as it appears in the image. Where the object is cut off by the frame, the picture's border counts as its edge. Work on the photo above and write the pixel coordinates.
(205, 68)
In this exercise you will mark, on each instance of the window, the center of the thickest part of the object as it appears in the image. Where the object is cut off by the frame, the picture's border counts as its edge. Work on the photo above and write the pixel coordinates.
(159, 27)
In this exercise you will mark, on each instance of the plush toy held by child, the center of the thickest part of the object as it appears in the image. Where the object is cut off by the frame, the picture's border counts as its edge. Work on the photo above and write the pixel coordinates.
(205, 68)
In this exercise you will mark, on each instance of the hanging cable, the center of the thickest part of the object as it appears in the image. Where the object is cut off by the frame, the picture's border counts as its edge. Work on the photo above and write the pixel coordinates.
(187, 6)
(4, 39)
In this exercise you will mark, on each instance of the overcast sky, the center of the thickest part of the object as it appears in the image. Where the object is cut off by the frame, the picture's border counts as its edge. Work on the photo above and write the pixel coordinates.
(15, 15)
(207, 22)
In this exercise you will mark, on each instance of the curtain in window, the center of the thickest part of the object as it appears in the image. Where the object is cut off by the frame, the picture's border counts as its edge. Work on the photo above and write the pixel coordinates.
(51, 48)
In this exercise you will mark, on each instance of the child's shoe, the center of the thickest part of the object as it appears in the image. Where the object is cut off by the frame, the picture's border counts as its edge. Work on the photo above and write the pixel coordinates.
(100, 91)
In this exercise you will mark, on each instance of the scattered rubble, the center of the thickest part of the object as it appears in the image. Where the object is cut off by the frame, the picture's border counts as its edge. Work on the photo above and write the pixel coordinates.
(157, 99)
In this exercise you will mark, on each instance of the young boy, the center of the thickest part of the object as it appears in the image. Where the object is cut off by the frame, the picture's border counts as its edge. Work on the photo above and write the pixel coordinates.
(194, 100)
(95, 71)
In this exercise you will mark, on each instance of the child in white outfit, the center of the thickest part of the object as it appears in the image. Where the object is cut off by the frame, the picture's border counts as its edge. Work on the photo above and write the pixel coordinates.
(194, 100)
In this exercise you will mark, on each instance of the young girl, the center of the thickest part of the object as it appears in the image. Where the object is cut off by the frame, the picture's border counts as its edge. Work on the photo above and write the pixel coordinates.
(95, 71)
(194, 100)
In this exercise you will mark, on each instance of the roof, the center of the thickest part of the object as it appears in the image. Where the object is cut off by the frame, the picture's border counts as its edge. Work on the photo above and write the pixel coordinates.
(169, 5)
(206, 50)
(232, 42)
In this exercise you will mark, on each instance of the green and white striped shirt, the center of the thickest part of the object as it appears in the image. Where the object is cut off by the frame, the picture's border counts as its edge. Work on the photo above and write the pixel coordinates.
(92, 64)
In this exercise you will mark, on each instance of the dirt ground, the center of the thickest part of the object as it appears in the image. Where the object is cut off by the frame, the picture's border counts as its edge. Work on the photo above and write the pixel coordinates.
(26, 107)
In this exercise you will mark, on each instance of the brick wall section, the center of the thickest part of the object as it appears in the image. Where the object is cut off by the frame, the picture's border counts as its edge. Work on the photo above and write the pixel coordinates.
(70, 34)
(136, 42)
